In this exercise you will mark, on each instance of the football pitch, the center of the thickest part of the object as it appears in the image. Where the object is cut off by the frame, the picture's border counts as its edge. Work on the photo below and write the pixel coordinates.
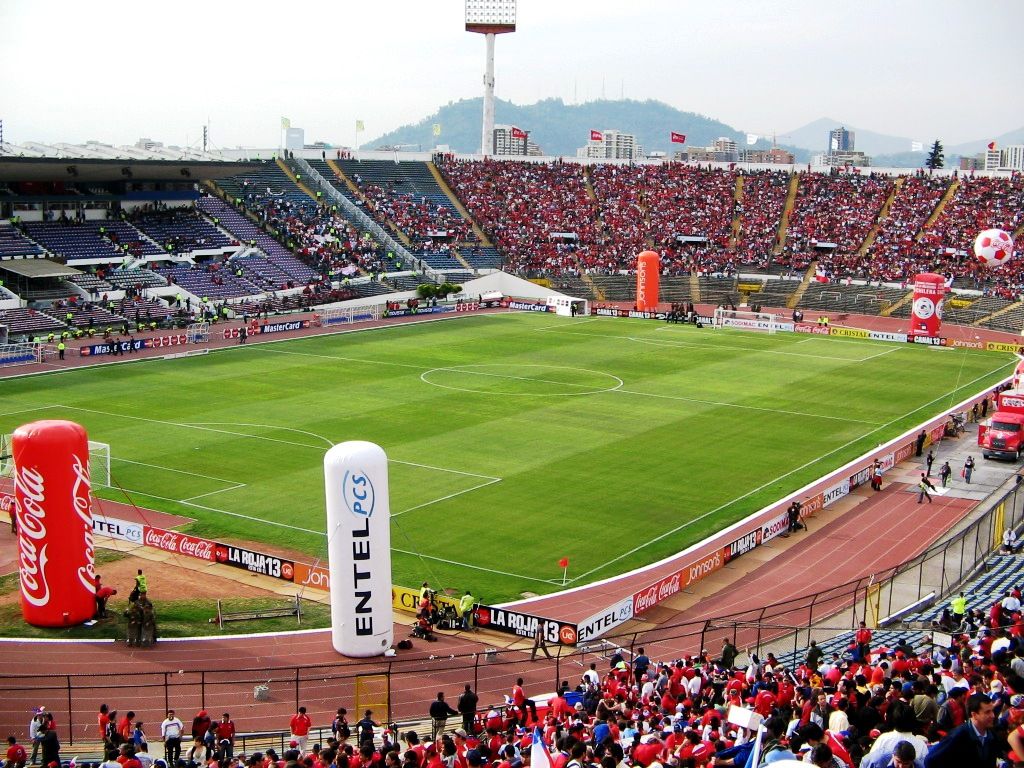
(514, 440)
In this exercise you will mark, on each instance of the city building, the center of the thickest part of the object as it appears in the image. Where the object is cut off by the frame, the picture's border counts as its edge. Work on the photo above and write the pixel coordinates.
(1012, 157)
(842, 159)
(613, 145)
(841, 140)
(511, 140)
(725, 150)
(773, 155)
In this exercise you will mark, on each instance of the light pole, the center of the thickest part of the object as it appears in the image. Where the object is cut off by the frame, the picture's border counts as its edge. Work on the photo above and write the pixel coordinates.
(489, 18)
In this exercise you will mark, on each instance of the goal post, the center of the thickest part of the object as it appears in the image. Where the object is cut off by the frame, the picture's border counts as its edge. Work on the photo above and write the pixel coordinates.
(766, 322)
(99, 462)
(350, 314)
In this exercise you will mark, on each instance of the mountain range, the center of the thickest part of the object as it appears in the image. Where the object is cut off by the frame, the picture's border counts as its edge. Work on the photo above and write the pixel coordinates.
(559, 129)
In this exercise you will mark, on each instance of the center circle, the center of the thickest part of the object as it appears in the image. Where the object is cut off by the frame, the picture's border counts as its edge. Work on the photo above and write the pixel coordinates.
(521, 380)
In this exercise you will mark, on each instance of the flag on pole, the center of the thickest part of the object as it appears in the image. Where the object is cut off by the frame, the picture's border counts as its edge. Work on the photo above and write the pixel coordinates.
(286, 123)
(596, 135)
(518, 133)
(916, 146)
(360, 126)
(991, 145)
(437, 129)
(752, 139)
(678, 138)
(563, 563)
(539, 755)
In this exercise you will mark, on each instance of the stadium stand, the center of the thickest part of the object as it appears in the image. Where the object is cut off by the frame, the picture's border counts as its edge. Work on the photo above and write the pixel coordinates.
(26, 321)
(106, 241)
(14, 243)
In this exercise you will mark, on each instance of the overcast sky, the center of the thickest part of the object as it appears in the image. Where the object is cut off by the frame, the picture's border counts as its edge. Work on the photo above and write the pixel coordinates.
(118, 70)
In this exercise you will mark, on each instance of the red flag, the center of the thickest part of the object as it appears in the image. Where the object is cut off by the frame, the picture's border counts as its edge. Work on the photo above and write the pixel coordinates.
(991, 145)
(518, 133)
(678, 138)
(596, 135)
(563, 563)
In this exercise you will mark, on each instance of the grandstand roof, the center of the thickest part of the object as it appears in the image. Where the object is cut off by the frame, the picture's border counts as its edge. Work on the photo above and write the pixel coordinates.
(92, 169)
(37, 268)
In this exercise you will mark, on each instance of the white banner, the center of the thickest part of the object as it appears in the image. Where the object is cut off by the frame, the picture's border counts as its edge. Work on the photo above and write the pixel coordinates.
(602, 621)
(883, 336)
(359, 548)
(113, 528)
(836, 492)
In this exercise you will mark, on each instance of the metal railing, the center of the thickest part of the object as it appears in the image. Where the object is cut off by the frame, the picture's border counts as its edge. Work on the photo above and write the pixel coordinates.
(407, 685)
(357, 215)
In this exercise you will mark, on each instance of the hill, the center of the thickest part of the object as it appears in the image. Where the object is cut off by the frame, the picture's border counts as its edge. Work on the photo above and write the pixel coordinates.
(560, 128)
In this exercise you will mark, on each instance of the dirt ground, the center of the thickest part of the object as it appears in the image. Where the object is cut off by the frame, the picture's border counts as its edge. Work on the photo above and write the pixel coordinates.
(167, 581)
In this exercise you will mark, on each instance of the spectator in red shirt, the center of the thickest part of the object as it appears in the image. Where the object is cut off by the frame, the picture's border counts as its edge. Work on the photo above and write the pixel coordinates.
(16, 755)
(299, 726)
(226, 736)
(522, 703)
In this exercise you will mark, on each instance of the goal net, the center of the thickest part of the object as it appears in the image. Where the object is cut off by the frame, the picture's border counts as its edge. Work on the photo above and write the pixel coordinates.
(198, 333)
(765, 322)
(99, 463)
(355, 314)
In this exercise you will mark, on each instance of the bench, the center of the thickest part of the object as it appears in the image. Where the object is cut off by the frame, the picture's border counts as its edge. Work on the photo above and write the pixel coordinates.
(259, 613)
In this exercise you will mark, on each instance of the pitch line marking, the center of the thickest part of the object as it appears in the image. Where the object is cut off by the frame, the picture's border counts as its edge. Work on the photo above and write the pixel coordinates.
(475, 567)
(234, 487)
(777, 478)
(462, 369)
(724, 347)
(445, 498)
(179, 471)
(746, 407)
(563, 325)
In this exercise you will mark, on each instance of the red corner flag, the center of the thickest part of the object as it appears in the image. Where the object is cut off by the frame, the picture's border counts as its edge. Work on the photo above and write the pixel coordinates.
(596, 135)
(563, 563)
(678, 138)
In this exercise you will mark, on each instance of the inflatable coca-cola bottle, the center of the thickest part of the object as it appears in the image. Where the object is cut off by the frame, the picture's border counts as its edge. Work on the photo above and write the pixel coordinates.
(54, 510)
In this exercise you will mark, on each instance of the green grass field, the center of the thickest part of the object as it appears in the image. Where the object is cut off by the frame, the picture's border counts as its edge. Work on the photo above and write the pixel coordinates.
(514, 440)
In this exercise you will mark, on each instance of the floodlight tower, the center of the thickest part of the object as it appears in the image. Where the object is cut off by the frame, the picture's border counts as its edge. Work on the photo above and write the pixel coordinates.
(490, 18)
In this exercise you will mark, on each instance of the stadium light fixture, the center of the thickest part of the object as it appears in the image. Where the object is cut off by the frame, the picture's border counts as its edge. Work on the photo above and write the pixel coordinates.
(489, 18)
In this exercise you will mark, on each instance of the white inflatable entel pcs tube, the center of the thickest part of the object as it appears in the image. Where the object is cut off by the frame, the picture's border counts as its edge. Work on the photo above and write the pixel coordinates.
(359, 548)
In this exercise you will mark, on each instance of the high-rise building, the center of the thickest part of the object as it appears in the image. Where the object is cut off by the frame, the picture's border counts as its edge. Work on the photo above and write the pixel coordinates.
(1012, 157)
(992, 159)
(773, 155)
(613, 145)
(841, 140)
(725, 150)
(512, 140)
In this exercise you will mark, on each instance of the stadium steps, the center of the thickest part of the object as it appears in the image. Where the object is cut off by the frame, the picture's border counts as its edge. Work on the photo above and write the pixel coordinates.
(594, 288)
(794, 298)
(897, 306)
(295, 179)
(737, 198)
(458, 257)
(588, 184)
(450, 194)
(882, 216)
(787, 211)
(1013, 307)
(695, 294)
(353, 190)
(939, 207)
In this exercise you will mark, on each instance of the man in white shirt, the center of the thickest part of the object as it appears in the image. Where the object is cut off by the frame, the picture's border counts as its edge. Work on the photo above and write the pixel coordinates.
(170, 732)
(1010, 603)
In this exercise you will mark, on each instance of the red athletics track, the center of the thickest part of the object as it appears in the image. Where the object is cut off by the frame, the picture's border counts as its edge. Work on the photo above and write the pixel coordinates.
(835, 554)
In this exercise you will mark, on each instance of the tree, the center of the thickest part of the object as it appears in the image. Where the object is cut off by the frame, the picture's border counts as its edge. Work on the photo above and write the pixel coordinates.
(936, 156)
(426, 290)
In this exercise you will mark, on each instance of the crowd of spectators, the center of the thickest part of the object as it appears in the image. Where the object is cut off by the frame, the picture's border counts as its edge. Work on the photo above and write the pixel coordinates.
(539, 214)
(315, 232)
(423, 220)
(760, 212)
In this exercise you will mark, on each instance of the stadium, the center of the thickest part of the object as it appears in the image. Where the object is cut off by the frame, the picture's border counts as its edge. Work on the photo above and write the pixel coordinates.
(583, 469)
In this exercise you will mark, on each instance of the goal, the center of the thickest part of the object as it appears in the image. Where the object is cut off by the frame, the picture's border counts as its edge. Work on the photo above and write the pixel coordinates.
(198, 333)
(765, 322)
(354, 314)
(99, 462)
